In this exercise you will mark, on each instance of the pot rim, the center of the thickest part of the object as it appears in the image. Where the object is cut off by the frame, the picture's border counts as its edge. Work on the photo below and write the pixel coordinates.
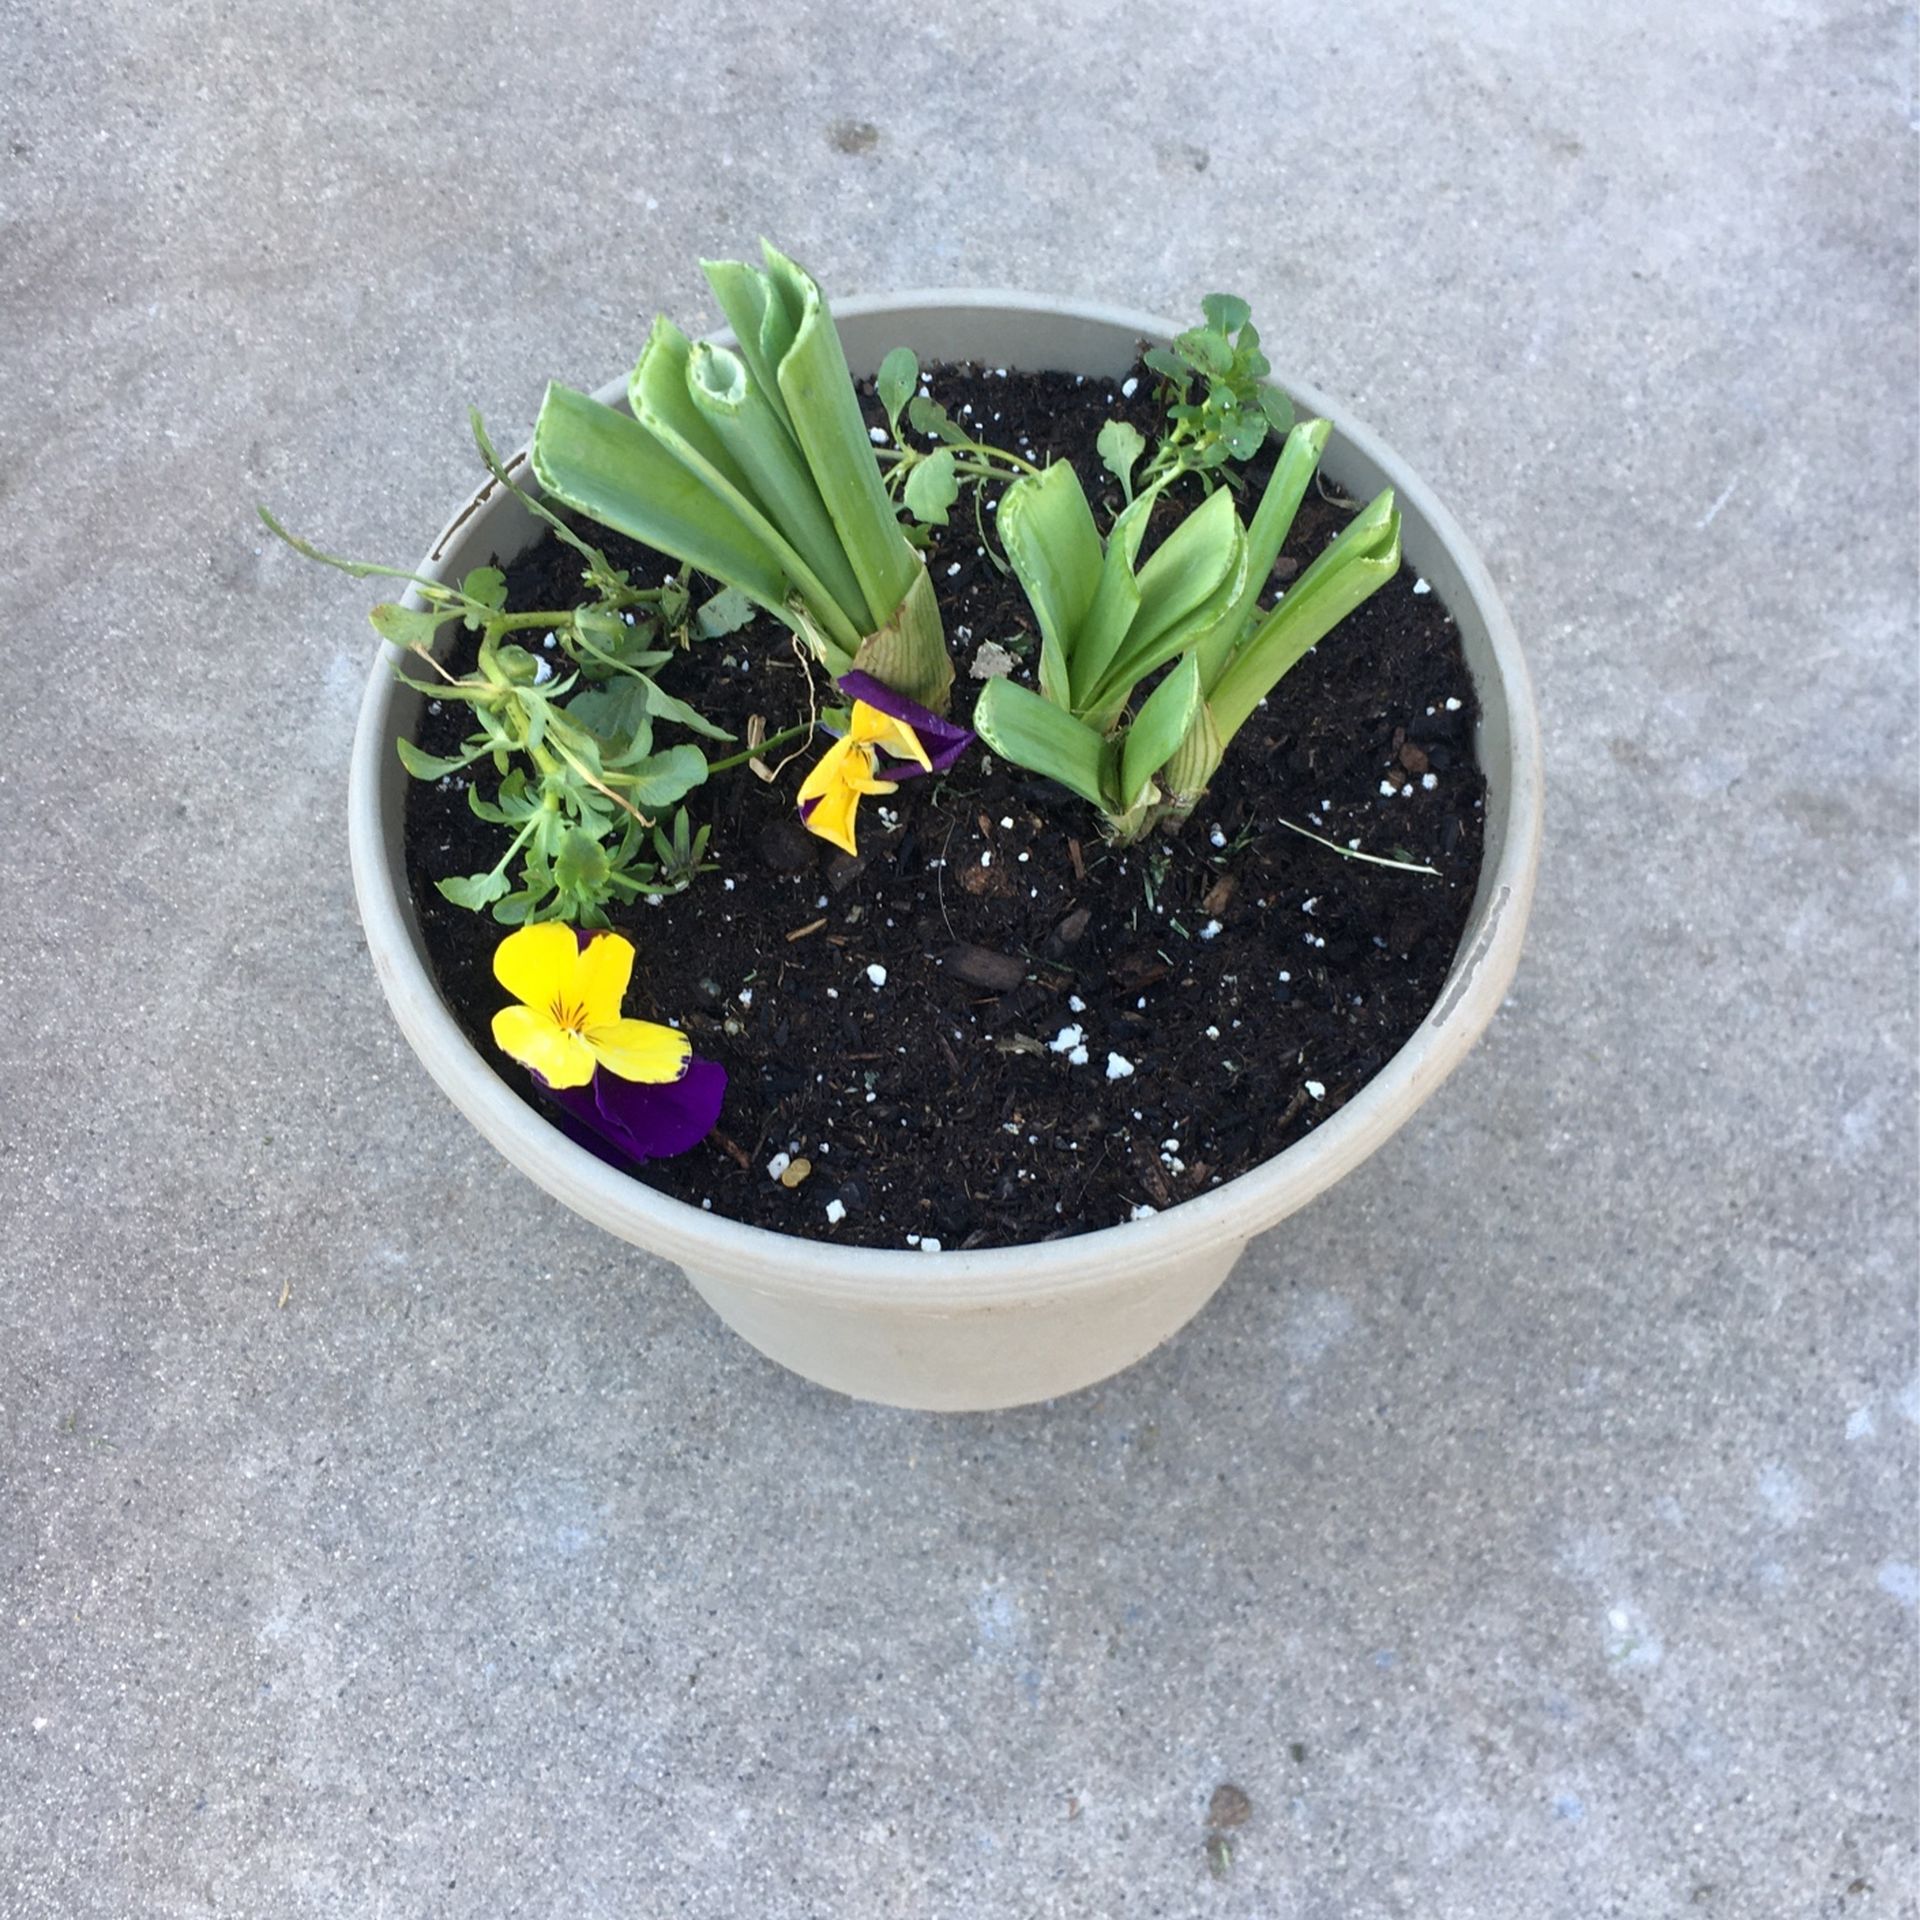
(1087, 1261)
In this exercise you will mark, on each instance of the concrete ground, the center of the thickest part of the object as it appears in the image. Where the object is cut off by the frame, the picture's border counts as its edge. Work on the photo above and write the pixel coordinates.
(1529, 1527)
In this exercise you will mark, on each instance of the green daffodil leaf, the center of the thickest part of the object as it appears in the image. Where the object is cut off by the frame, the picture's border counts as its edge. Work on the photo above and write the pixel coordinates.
(1158, 729)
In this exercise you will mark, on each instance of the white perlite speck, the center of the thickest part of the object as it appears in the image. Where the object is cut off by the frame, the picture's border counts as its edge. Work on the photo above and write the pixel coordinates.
(1212, 930)
(1142, 1213)
(778, 1165)
(1218, 836)
(1429, 781)
(1453, 705)
(836, 1212)
(1420, 586)
(878, 435)
(1075, 1004)
(1066, 1039)
(928, 1244)
(1118, 1067)
(1316, 1090)
(877, 974)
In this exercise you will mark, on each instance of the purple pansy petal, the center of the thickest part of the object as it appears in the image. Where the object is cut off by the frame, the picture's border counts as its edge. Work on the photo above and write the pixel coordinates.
(944, 741)
(644, 1120)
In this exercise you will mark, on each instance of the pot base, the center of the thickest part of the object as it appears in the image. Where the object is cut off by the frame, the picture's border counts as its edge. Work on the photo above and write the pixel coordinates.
(969, 1359)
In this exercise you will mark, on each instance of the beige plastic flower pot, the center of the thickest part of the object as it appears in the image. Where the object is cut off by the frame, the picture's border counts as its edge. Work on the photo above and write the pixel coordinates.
(1003, 1326)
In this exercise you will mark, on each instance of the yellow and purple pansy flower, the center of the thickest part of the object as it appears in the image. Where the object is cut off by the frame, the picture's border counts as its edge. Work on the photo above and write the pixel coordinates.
(632, 1085)
(889, 738)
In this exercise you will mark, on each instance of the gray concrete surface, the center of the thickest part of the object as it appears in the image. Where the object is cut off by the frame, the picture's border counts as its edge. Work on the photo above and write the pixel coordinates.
(1528, 1530)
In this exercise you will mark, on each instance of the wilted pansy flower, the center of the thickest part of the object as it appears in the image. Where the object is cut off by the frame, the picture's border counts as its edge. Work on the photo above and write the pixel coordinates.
(889, 738)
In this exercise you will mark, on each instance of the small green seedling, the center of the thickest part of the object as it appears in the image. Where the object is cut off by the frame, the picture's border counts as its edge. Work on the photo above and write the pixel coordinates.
(567, 725)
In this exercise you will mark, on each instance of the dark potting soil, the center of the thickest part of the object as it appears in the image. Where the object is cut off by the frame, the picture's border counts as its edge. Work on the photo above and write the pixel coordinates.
(904, 1023)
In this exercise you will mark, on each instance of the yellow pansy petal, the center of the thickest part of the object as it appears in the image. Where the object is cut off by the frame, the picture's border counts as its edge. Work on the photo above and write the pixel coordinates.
(826, 772)
(560, 1058)
(640, 1049)
(865, 782)
(903, 743)
(868, 724)
(832, 819)
(535, 964)
(600, 978)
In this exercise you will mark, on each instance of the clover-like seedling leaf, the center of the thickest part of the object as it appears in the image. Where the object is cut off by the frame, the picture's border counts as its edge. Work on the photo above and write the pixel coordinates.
(1226, 311)
(1120, 447)
(898, 376)
(488, 587)
(433, 766)
(1169, 366)
(1245, 434)
(475, 890)
(1278, 409)
(609, 642)
(410, 628)
(667, 777)
(1211, 352)
(518, 908)
(927, 415)
(727, 612)
(664, 706)
(581, 865)
(615, 712)
(933, 487)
